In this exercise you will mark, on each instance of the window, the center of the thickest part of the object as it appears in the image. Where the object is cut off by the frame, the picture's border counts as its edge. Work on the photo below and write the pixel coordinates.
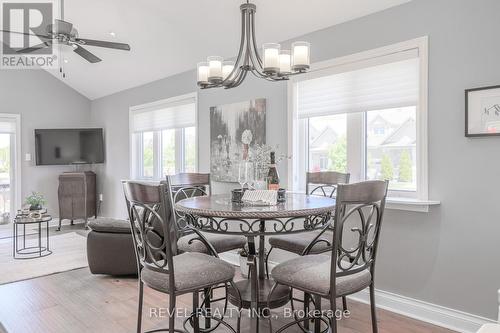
(366, 115)
(163, 138)
(327, 143)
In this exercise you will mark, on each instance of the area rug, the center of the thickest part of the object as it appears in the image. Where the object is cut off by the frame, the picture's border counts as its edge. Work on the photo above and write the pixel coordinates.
(68, 252)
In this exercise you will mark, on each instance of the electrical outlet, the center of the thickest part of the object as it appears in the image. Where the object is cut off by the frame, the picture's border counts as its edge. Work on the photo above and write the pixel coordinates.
(100, 197)
(27, 157)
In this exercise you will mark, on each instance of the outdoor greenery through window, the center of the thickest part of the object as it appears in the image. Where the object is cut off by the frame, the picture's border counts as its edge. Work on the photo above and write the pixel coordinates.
(5, 171)
(147, 154)
(389, 142)
(391, 147)
(163, 137)
(328, 143)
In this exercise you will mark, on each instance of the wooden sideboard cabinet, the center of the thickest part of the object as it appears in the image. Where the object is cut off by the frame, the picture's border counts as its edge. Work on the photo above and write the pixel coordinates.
(77, 196)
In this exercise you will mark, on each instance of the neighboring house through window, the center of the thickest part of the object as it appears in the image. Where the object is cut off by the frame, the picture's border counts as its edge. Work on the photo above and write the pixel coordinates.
(163, 138)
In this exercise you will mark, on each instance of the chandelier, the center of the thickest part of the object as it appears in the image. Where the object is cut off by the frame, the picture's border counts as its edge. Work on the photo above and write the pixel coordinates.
(276, 65)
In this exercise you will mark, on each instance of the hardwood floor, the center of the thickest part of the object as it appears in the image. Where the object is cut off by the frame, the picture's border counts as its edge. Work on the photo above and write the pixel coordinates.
(77, 301)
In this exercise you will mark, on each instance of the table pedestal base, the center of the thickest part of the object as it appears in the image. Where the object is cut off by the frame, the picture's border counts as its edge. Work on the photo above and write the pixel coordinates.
(280, 296)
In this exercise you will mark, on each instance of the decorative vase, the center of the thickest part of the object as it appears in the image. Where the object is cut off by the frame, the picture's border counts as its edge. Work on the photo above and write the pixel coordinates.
(260, 178)
(245, 152)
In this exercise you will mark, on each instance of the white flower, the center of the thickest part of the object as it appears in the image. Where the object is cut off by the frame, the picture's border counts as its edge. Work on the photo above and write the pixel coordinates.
(246, 137)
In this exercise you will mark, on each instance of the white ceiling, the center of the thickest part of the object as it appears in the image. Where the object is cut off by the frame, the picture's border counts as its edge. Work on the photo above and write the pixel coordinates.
(169, 37)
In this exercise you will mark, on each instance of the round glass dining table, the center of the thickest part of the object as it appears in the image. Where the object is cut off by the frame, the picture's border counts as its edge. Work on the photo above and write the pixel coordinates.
(218, 214)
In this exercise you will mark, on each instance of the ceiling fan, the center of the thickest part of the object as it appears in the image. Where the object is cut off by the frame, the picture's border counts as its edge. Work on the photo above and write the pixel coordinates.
(63, 33)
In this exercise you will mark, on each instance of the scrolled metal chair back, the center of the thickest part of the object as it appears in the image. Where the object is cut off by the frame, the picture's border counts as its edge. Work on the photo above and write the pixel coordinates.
(150, 214)
(325, 183)
(355, 247)
(183, 186)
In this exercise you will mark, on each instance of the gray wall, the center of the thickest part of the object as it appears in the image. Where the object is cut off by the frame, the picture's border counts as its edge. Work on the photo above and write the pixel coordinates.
(43, 102)
(448, 256)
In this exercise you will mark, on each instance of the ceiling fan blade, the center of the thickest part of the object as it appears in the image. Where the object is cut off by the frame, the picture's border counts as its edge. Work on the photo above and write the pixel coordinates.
(90, 57)
(36, 47)
(26, 34)
(62, 27)
(101, 43)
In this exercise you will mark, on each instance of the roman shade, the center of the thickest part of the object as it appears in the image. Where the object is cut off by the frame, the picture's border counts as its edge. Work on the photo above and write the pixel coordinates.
(382, 83)
(7, 125)
(164, 115)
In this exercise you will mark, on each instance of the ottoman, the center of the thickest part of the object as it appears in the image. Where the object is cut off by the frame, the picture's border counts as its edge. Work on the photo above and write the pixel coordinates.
(110, 249)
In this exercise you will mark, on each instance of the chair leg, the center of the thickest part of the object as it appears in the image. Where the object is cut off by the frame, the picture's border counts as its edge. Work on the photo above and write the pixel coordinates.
(207, 292)
(139, 308)
(171, 313)
(267, 262)
(306, 309)
(333, 318)
(196, 311)
(373, 308)
(344, 303)
(317, 320)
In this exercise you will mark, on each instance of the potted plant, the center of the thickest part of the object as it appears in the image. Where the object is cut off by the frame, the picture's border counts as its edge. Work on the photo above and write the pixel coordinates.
(35, 200)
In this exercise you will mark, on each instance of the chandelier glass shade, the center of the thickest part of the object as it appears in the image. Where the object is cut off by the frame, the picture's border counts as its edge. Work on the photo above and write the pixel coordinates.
(274, 65)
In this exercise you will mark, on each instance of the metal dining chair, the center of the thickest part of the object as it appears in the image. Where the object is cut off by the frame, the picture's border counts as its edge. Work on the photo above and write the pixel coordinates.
(160, 265)
(317, 183)
(189, 185)
(350, 267)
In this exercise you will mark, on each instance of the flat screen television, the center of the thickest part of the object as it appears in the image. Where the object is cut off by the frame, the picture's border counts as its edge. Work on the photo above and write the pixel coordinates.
(69, 146)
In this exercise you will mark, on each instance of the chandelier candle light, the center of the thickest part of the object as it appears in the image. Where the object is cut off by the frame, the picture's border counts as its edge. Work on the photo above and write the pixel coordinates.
(276, 64)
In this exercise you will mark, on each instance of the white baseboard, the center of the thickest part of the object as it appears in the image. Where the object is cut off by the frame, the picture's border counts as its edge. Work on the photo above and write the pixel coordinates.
(431, 313)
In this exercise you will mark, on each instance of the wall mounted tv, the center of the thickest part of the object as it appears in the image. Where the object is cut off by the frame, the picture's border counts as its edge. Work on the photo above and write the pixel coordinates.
(69, 146)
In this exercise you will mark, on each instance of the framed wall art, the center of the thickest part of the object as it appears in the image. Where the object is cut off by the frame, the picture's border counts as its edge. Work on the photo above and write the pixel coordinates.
(235, 129)
(482, 111)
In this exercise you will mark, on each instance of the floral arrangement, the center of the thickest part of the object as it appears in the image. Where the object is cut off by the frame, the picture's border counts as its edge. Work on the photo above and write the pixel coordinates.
(261, 157)
(246, 137)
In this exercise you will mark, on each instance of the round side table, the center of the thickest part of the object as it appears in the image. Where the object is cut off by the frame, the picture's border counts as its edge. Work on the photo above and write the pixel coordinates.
(28, 250)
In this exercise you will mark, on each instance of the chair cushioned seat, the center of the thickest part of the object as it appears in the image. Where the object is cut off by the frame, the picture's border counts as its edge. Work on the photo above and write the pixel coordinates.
(221, 243)
(110, 225)
(192, 271)
(312, 274)
(297, 243)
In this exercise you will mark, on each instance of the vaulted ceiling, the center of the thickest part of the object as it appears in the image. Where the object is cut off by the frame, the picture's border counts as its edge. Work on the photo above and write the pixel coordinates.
(169, 37)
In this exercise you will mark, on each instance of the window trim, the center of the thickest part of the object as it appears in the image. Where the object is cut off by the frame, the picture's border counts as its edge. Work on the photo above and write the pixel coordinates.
(15, 156)
(135, 149)
(421, 44)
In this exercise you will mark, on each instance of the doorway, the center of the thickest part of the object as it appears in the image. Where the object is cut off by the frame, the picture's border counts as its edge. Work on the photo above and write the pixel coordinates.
(9, 166)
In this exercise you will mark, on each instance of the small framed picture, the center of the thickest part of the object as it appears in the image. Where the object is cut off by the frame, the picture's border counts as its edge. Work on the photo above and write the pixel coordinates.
(482, 111)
